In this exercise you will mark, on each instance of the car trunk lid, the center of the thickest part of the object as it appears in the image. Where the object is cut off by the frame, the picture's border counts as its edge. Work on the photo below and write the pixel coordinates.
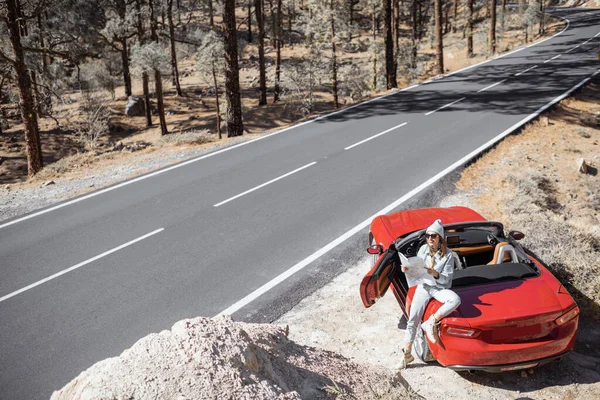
(526, 310)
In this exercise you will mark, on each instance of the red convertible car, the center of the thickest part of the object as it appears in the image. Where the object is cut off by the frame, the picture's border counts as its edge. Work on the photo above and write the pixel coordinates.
(514, 313)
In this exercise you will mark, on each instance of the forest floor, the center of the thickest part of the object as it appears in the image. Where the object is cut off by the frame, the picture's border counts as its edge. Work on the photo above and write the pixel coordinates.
(67, 157)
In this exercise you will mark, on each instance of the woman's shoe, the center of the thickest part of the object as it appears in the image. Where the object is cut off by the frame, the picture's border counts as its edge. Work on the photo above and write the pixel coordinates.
(407, 358)
(430, 328)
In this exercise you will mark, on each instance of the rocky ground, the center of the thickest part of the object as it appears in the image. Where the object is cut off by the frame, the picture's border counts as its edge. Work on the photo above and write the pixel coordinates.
(206, 358)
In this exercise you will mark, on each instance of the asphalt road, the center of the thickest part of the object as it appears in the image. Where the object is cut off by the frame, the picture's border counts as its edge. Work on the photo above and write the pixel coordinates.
(196, 239)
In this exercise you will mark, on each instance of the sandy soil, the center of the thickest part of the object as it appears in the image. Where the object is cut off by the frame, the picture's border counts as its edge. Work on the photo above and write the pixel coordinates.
(196, 109)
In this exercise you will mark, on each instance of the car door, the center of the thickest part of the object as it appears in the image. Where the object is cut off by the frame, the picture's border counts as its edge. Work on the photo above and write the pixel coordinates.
(385, 273)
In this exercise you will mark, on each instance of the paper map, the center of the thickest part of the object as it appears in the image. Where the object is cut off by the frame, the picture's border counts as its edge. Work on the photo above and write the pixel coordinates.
(417, 272)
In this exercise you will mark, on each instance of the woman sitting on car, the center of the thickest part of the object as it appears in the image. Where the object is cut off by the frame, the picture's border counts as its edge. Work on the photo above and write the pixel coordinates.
(439, 261)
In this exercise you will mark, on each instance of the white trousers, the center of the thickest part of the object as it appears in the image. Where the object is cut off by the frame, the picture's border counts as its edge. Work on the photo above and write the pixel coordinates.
(450, 302)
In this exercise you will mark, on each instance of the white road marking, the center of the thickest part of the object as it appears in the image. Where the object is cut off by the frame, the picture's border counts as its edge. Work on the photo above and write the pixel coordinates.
(572, 48)
(375, 136)
(81, 264)
(265, 184)
(447, 105)
(557, 56)
(597, 34)
(527, 70)
(587, 41)
(182, 164)
(491, 86)
(514, 51)
(324, 250)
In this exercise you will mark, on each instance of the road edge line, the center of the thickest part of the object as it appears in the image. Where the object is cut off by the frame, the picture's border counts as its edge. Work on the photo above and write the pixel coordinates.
(348, 234)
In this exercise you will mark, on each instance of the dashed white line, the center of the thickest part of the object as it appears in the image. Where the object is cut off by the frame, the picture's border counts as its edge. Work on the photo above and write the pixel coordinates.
(572, 48)
(527, 70)
(447, 105)
(265, 184)
(491, 86)
(81, 264)
(557, 56)
(375, 136)
(389, 208)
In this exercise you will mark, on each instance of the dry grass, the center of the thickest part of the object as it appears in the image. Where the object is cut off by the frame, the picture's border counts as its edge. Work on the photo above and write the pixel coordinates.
(530, 181)
(196, 110)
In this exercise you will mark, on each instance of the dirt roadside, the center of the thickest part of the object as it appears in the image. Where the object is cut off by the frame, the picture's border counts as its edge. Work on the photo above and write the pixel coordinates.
(531, 182)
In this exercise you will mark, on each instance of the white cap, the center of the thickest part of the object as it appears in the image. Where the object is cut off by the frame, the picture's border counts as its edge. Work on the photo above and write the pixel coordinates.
(436, 227)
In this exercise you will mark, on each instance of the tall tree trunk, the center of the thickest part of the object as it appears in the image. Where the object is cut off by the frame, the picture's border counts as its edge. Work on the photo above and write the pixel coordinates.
(334, 80)
(249, 21)
(374, 29)
(503, 6)
(455, 16)
(277, 89)
(541, 29)
(492, 27)
(235, 126)
(145, 88)
(174, 69)
(415, 33)
(258, 11)
(396, 6)
(214, 74)
(125, 63)
(26, 102)
(469, 28)
(211, 13)
(122, 11)
(157, 78)
(390, 70)
(420, 19)
(45, 58)
(439, 47)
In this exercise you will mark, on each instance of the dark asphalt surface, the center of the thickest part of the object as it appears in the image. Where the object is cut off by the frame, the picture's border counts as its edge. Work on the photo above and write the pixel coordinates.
(207, 258)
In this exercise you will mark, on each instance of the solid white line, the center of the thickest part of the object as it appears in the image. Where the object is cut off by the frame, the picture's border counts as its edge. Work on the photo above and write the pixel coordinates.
(120, 185)
(587, 41)
(81, 264)
(597, 34)
(375, 136)
(557, 56)
(447, 105)
(527, 70)
(324, 250)
(491, 86)
(264, 184)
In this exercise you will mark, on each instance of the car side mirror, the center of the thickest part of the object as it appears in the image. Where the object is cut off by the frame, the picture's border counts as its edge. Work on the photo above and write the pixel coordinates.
(375, 249)
(516, 235)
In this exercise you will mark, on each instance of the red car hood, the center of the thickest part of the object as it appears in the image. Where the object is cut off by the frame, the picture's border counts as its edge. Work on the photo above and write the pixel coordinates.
(404, 222)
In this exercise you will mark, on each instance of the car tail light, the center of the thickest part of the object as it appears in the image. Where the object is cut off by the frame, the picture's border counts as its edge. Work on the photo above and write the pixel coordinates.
(566, 317)
(463, 332)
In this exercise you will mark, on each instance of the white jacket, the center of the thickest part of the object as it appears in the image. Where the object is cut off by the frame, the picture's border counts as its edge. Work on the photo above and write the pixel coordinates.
(444, 265)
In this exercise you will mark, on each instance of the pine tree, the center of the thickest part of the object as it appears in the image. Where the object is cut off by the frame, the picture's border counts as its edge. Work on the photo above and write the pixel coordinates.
(390, 67)
(14, 17)
(492, 27)
(235, 126)
(439, 48)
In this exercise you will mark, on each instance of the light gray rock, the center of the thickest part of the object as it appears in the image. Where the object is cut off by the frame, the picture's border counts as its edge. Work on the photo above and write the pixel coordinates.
(582, 166)
(135, 107)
